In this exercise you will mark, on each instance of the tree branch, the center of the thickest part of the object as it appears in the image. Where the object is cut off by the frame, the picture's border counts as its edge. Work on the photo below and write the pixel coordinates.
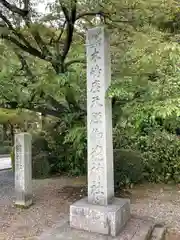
(61, 33)
(41, 43)
(6, 21)
(80, 60)
(13, 8)
(65, 11)
(24, 64)
(70, 28)
(46, 111)
(21, 37)
(16, 33)
(85, 14)
(25, 48)
(26, 4)
(56, 104)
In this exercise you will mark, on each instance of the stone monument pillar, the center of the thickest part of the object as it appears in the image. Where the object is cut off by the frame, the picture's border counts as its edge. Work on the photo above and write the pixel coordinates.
(23, 170)
(100, 212)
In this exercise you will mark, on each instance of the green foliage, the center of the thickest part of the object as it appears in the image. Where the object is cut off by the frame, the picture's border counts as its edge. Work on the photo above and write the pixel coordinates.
(40, 166)
(145, 85)
(5, 149)
(40, 156)
(76, 142)
(67, 144)
(159, 149)
(161, 152)
(8, 116)
(39, 144)
(128, 167)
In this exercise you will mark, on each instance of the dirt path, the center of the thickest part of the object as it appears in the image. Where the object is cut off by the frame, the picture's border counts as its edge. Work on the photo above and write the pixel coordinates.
(51, 204)
(161, 202)
(52, 198)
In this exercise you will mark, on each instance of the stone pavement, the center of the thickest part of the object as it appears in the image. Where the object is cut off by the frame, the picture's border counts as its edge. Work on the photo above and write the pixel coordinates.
(136, 229)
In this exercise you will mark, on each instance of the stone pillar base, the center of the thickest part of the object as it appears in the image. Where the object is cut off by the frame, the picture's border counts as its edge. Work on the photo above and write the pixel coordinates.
(108, 220)
(22, 204)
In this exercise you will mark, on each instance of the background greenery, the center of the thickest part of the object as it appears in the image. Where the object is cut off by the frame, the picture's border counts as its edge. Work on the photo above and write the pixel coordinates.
(42, 70)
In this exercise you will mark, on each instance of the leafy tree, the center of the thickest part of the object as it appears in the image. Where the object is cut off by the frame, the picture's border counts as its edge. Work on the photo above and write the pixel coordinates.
(42, 70)
(16, 120)
(44, 42)
(47, 50)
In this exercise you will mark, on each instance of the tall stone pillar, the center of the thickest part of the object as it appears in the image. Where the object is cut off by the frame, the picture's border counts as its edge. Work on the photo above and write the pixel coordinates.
(100, 212)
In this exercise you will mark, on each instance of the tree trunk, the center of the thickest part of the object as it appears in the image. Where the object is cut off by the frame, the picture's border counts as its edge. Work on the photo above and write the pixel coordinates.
(43, 121)
(12, 134)
(4, 136)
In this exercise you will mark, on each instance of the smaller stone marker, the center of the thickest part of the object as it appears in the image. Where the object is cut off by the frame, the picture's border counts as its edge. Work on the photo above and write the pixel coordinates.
(23, 170)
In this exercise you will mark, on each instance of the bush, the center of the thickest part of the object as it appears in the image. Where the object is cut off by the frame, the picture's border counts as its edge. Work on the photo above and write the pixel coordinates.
(7, 143)
(40, 156)
(5, 149)
(39, 144)
(40, 166)
(128, 167)
(161, 152)
(68, 149)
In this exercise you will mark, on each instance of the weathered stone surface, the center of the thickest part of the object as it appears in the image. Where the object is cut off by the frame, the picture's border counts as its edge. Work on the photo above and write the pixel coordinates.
(135, 227)
(100, 212)
(23, 170)
(99, 119)
(108, 220)
(144, 234)
(158, 233)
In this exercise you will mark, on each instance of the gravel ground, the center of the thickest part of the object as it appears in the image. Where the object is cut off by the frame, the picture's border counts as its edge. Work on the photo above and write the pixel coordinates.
(52, 198)
(161, 202)
(51, 204)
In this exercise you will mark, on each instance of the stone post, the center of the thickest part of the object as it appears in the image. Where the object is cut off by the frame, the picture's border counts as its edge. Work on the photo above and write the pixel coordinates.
(23, 170)
(100, 212)
(99, 115)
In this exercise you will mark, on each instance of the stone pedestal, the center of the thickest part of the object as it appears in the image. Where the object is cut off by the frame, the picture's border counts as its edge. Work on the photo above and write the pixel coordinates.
(100, 212)
(23, 170)
(108, 220)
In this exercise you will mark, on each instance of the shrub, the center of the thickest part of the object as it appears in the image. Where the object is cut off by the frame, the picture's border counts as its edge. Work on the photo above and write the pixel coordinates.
(159, 148)
(39, 144)
(40, 166)
(7, 143)
(161, 152)
(40, 156)
(5, 149)
(128, 167)
(68, 149)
